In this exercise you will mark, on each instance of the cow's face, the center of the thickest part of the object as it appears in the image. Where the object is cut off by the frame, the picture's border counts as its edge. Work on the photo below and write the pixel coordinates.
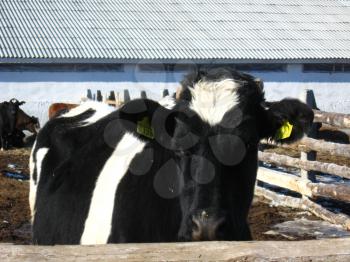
(33, 125)
(214, 135)
(26, 122)
(206, 157)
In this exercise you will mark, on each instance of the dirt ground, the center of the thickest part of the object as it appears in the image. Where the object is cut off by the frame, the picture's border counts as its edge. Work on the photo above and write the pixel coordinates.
(14, 207)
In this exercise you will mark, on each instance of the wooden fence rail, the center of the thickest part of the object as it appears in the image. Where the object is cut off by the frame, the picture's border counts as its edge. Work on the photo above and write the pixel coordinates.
(304, 204)
(307, 144)
(305, 187)
(333, 119)
(328, 168)
(264, 251)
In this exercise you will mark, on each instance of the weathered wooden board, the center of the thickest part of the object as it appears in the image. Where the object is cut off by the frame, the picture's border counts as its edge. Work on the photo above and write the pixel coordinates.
(282, 160)
(313, 250)
(334, 119)
(307, 144)
(304, 204)
(339, 192)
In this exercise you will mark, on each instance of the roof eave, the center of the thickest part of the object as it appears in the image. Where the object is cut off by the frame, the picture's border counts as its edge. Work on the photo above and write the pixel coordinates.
(169, 61)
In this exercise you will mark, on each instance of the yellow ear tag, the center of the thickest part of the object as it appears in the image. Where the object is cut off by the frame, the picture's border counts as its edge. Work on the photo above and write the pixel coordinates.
(144, 128)
(284, 131)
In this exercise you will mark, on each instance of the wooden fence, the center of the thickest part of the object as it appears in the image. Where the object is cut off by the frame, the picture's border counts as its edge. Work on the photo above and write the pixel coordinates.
(304, 184)
(293, 251)
(307, 185)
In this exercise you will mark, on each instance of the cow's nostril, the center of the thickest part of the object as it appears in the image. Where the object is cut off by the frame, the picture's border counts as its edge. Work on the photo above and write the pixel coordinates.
(205, 227)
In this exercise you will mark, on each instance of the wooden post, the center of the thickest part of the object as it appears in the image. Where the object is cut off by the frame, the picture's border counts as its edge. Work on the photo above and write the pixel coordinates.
(143, 94)
(126, 95)
(99, 96)
(111, 96)
(111, 99)
(308, 97)
(89, 94)
(165, 92)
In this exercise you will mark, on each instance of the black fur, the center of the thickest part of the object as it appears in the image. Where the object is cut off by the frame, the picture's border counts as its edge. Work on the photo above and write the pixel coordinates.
(210, 170)
(8, 112)
(12, 122)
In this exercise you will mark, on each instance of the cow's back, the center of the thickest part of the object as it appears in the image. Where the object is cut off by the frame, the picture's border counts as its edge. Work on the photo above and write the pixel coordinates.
(62, 154)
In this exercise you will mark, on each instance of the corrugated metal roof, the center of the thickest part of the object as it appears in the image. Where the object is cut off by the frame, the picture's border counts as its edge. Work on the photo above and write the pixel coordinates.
(175, 29)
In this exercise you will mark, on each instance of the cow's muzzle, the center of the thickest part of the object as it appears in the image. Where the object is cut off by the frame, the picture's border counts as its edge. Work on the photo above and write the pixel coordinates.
(205, 226)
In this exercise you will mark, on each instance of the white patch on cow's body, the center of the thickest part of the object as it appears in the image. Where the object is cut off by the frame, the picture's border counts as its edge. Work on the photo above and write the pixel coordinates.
(101, 110)
(40, 155)
(32, 186)
(31, 161)
(98, 223)
(168, 102)
(212, 99)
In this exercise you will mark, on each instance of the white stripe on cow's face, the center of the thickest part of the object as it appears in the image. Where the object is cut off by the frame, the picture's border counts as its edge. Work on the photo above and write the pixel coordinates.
(212, 99)
(39, 156)
(99, 221)
(101, 110)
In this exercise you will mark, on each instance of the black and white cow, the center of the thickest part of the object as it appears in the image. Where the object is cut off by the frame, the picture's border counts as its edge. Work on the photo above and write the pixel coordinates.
(147, 173)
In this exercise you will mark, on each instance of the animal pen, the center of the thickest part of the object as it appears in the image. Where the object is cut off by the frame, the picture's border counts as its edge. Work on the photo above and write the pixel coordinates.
(306, 185)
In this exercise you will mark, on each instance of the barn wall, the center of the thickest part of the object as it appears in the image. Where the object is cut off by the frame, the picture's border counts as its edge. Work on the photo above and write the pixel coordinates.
(40, 89)
(332, 91)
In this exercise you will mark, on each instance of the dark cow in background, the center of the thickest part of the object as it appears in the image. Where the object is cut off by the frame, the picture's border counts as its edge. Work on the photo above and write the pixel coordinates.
(24, 122)
(13, 121)
(147, 173)
(8, 112)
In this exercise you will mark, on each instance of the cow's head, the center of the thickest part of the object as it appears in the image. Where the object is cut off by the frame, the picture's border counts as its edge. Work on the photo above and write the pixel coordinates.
(26, 122)
(33, 125)
(214, 134)
(15, 102)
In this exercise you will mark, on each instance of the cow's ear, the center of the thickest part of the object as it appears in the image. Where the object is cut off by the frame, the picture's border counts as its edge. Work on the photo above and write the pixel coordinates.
(148, 120)
(285, 121)
(21, 103)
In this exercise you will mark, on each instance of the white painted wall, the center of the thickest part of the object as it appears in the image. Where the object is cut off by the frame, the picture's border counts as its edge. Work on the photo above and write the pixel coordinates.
(39, 89)
(332, 91)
